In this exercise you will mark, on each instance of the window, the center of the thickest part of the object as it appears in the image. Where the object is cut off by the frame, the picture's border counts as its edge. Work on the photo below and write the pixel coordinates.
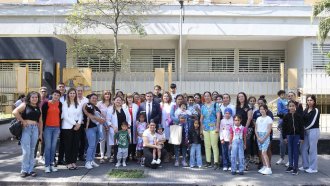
(6, 66)
(146, 60)
(320, 58)
(209, 60)
(261, 61)
(98, 60)
(32, 66)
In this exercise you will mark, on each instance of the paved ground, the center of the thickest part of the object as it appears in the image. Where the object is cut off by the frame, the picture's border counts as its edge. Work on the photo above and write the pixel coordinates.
(10, 156)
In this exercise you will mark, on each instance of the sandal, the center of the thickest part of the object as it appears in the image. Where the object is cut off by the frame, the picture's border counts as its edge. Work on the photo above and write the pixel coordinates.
(74, 166)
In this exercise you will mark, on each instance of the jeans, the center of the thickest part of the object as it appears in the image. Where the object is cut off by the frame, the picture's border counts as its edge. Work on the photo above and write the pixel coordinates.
(293, 154)
(237, 153)
(50, 136)
(195, 155)
(225, 154)
(282, 144)
(92, 138)
(28, 143)
(122, 154)
(211, 139)
(177, 151)
(309, 148)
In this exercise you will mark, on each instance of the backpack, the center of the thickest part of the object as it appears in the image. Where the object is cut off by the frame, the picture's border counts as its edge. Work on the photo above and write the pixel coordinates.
(16, 128)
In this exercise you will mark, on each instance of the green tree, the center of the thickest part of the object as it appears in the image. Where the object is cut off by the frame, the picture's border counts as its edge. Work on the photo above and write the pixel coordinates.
(113, 15)
(321, 11)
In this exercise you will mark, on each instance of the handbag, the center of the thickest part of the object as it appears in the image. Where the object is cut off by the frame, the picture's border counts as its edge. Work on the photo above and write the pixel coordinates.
(175, 134)
(16, 128)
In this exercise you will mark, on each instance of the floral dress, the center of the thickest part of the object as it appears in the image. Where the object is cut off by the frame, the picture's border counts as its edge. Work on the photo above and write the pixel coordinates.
(141, 127)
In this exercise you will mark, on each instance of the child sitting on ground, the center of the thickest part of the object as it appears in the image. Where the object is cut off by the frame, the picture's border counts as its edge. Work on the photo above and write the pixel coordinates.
(160, 140)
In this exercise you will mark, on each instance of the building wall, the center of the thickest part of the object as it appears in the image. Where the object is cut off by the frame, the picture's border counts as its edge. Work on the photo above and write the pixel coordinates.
(49, 50)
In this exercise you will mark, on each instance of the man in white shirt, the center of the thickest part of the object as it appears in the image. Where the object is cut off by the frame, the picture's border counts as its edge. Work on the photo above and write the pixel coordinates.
(226, 104)
(82, 100)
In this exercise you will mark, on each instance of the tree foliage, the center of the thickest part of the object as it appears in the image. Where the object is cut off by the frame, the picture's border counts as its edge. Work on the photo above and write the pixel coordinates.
(112, 15)
(321, 11)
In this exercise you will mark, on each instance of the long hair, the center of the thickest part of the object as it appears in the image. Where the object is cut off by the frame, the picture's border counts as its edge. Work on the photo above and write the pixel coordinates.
(238, 104)
(169, 96)
(28, 97)
(106, 92)
(114, 105)
(313, 97)
(75, 98)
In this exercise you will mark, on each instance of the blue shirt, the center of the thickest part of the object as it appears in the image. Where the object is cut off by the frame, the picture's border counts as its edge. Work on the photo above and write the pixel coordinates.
(282, 106)
(209, 114)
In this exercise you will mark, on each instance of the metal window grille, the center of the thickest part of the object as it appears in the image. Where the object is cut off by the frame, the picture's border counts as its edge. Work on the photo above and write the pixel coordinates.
(320, 58)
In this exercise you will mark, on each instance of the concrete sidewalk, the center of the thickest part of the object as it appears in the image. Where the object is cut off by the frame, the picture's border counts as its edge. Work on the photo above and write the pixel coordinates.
(10, 157)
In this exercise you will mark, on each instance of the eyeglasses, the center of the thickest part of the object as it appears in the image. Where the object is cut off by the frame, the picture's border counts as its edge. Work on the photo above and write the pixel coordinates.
(43, 91)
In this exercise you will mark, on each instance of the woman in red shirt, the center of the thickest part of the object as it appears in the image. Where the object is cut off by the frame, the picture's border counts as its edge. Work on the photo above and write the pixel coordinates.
(51, 114)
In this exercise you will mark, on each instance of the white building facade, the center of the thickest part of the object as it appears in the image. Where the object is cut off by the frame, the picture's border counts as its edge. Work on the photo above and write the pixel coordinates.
(225, 47)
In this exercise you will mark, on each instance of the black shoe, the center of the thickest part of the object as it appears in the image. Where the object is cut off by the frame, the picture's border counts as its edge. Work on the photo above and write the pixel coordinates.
(216, 166)
(61, 163)
(295, 172)
(24, 174)
(289, 169)
(233, 173)
(241, 173)
(81, 158)
(208, 164)
(33, 174)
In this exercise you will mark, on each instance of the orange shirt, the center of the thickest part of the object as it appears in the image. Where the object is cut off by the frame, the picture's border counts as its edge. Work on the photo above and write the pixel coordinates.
(53, 115)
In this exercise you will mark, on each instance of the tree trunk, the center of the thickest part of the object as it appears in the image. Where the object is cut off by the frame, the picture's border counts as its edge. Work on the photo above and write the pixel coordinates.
(113, 84)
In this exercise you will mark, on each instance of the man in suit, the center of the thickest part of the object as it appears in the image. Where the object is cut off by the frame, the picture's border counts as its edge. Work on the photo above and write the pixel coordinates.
(151, 108)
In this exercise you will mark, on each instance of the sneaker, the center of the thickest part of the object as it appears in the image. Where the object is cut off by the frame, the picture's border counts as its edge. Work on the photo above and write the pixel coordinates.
(158, 161)
(24, 174)
(208, 165)
(287, 164)
(289, 169)
(88, 165)
(53, 169)
(118, 164)
(267, 171)
(229, 169)
(47, 169)
(153, 161)
(94, 164)
(124, 164)
(280, 161)
(176, 164)
(302, 169)
(224, 168)
(41, 160)
(191, 166)
(184, 164)
(295, 172)
(33, 174)
(311, 171)
(262, 169)
(200, 166)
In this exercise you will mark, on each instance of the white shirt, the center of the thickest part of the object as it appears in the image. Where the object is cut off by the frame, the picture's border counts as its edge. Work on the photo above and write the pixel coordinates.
(70, 115)
(151, 137)
(263, 122)
(62, 99)
(173, 96)
(147, 109)
(225, 126)
(83, 101)
(223, 107)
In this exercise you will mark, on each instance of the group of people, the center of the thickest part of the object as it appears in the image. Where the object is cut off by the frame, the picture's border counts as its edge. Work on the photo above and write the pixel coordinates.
(152, 128)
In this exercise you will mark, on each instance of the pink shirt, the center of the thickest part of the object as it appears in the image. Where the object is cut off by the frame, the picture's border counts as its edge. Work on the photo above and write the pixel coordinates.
(238, 132)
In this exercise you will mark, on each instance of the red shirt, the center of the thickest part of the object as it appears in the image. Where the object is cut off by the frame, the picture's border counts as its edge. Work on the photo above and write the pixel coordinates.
(53, 115)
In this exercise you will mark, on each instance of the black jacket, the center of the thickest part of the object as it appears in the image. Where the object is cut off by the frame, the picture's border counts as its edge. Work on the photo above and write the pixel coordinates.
(194, 136)
(293, 125)
(44, 112)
